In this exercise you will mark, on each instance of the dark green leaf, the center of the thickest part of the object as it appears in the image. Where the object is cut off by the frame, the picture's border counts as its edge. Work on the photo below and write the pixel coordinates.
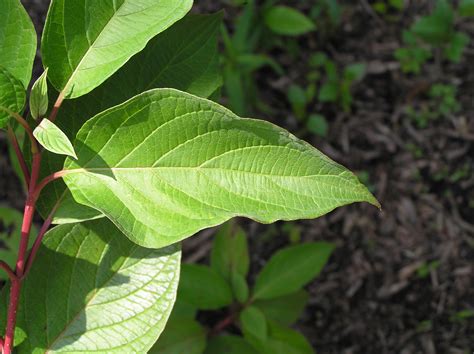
(291, 268)
(230, 252)
(285, 309)
(229, 345)
(254, 324)
(284, 340)
(10, 221)
(12, 96)
(17, 40)
(203, 288)
(181, 336)
(239, 287)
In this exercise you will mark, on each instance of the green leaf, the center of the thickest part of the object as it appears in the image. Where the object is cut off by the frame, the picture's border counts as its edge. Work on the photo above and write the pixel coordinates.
(239, 287)
(92, 290)
(181, 336)
(199, 166)
(436, 28)
(203, 288)
(456, 47)
(288, 21)
(286, 341)
(229, 345)
(354, 72)
(39, 96)
(254, 324)
(230, 252)
(17, 40)
(329, 92)
(291, 268)
(85, 42)
(317, 124)
(10, 221)
(12, 96)
(53, 139)
(285, 309)
(466, 8)
(184, 56)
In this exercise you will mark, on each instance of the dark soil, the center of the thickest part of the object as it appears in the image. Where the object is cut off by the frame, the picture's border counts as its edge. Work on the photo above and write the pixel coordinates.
(370, 298)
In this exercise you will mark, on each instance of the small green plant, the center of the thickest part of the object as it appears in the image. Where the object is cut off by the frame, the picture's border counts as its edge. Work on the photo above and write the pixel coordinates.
(334, 84)
(442, 103)
(128, 160)
(327, 13)
(256, 318)
(434, 34)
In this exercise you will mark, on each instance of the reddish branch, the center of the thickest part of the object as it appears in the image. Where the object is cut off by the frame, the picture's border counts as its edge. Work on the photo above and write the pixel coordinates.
(24, 263)
(19, 155)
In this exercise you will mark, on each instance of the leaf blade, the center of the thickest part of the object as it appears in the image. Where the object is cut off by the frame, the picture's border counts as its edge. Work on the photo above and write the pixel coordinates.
(106, 36)
(291, 268)
(17, 40)
(53, 139)
(199, 190)
(97, 274)
(12, 96)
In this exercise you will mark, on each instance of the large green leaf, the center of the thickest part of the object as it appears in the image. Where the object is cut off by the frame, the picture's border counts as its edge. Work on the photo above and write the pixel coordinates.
(184, 57)
(291, 268)
(92, 290)
(167, 164)
(12, 96)
(84, 42)
(17, 40)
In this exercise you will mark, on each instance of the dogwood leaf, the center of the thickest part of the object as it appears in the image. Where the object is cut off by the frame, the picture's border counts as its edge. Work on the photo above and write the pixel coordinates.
(85, 42)
(184, 56)
(167, 164)
(17, 40)
(12, 96)
(95, 291)
(53, 139)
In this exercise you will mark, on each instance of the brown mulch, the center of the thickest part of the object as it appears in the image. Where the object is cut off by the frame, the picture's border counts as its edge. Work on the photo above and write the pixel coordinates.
(370, 298)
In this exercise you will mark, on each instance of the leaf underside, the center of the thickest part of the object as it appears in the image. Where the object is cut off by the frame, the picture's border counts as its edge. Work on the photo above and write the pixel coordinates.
(92, 290)
(184, 56)
(167, 164)
(85, 42)
(12, 96)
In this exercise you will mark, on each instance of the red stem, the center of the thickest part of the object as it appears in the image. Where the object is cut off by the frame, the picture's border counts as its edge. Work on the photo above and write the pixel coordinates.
(45, 181)
(8, 270)
(57, 105)
(19, 155)
(23, 264)
(39, 239)
(20, 264)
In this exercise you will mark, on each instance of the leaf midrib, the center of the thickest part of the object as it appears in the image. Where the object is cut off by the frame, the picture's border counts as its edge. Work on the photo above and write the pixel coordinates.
(91, 45)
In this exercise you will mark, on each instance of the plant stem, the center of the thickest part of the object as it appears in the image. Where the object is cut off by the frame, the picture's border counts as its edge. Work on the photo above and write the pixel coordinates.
(22, 121)
(23, 263)
(8, 270)
(19, 155)
(57, 105)
(20, 264)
